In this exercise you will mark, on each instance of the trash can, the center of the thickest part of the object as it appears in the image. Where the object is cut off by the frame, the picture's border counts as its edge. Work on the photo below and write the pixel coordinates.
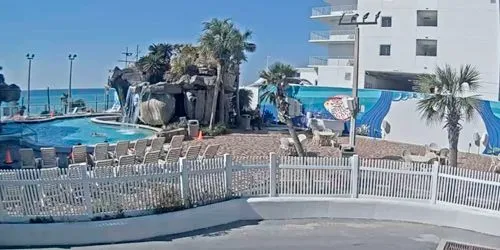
(245, 122)
(193, 128)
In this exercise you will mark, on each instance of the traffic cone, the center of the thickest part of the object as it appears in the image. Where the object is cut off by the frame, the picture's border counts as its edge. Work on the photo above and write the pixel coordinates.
(8, 157)
(200, 136)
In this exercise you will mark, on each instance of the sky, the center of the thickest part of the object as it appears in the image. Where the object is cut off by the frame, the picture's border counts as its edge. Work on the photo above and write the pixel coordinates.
(98, 31)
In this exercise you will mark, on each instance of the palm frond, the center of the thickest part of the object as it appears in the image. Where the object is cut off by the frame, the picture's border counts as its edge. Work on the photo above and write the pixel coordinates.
(470, 76)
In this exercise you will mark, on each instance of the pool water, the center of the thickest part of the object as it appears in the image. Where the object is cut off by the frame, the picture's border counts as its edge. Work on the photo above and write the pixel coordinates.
(70, 132)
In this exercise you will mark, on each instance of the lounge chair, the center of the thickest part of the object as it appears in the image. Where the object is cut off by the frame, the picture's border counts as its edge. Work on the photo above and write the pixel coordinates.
(157, 144)
(27, 158)
(121, 148)
(151, 157)
(176, 142)
(126, 160)
(78, 154)
(104, 163)
(100, 152)
(49, 158)
(140, 149)
(443, 156)
(77, 165)
(210, 151)
(173, 155)
(192, 152)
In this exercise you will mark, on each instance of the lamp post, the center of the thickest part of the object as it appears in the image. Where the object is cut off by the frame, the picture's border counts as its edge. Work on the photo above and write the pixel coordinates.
(355, 106)
(71, 57)
(29, 57)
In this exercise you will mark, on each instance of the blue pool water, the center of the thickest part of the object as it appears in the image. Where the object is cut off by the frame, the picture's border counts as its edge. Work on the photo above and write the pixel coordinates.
(73, 131)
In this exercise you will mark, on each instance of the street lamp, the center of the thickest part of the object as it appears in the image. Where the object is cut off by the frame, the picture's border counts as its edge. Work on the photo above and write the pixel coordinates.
(71, 57)
(355, 106)
(29, 57)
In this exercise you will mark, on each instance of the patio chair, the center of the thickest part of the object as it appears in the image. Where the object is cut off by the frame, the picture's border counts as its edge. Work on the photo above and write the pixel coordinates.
(176, 142)
(100, 152)
(125, 160)
(210, 151)
(78, 154)
(77, 165)
(104, 163)
(157, 144)
(173, 155)
(151, 157)
(443, 156)
(121, 148)
(192, 152)
(140, 149)
(27, 158)
(49, 158)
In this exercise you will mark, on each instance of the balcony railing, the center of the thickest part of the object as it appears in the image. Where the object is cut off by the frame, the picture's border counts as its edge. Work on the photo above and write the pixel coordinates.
(331, 61)
(330, 10)
(333, 35)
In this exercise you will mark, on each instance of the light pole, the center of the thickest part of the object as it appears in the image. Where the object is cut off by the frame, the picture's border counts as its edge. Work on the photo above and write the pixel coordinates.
(355, 106)
(29, 57)
(71, 57)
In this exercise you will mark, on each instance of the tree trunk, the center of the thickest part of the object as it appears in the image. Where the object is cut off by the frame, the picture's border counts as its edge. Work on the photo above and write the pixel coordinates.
(237, 104)
(453, 136)
(295, 138)
(215, 97)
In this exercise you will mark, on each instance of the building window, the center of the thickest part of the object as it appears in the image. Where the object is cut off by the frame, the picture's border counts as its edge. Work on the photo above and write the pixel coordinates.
(386, 21)
(385, 50)
(427, 18)
(426, 47)
(347, 76)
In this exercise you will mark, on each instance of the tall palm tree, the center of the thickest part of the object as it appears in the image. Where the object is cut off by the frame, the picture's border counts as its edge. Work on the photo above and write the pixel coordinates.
(275, 91)
(156, 62)
(222, 41)
(448, 101)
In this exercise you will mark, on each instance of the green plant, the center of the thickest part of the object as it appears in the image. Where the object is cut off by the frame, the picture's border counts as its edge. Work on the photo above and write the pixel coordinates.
(363, 130)
(79, 103)
(219, 129)
(167, 199)
(448, 102)
(156, 62)
(246, 97)
(274, 91)
(38, 220)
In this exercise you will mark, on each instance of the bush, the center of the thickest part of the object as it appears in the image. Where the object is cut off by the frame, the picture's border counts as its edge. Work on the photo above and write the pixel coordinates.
(38, 220)
(219, 129)
(363, 130)
(168, 199)
(175, 125)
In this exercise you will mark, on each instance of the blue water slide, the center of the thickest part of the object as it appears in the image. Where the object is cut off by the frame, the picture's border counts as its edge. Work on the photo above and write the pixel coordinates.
(374, 117)
(492, 124)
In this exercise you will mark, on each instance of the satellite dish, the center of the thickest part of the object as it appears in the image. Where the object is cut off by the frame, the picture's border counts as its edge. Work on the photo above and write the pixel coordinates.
(484, 139)
(477, 139)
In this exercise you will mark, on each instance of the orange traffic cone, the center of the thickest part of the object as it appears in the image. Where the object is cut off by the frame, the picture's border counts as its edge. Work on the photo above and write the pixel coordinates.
(200, 136)
(8, 157)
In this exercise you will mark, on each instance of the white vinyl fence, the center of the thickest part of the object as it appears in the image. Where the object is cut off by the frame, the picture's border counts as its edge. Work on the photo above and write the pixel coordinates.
(82, 194)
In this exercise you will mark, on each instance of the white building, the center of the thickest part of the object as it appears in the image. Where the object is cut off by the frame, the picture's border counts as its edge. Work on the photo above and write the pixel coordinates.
(412, 37)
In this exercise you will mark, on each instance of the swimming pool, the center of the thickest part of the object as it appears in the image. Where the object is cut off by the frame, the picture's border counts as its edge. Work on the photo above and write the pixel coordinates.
(69, 132)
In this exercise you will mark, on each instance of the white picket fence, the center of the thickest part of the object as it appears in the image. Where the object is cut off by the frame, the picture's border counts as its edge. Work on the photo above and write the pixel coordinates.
(81, 194)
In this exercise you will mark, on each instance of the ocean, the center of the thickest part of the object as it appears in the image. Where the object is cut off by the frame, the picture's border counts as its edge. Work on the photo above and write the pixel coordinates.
(93, 98)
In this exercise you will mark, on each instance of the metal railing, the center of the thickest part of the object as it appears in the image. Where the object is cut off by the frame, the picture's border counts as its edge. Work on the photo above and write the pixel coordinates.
(333, 61)
(327, 35)
(329, 10)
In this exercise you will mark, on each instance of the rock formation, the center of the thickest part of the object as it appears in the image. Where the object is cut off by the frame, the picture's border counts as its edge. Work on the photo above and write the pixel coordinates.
(121, 80)
(9, 92)
(156, 107)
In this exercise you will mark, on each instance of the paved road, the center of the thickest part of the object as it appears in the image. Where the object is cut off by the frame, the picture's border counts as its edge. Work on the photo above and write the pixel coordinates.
(311, 235)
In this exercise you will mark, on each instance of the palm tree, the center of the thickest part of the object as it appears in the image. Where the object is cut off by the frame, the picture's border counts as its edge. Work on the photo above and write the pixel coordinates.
(448, 101)
(223, 42)
(274, 91)
(64, 102)
(156, 62)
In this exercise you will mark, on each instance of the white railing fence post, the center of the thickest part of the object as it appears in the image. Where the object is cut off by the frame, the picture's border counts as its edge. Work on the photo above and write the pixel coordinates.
(87, 197)
(273, 170)
(228, 167)
(354, 176)
(3, 211)
(434, 182)
(184, 180)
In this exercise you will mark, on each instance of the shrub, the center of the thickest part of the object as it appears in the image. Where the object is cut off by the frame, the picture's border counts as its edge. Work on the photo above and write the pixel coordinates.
(219, 129)
(168, 199)
(38, 220)
(363, 130)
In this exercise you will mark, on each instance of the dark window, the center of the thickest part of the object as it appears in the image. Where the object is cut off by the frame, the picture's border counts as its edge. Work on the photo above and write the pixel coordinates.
(386, 21)
(426, 47)
(385, 50)
(427, 18)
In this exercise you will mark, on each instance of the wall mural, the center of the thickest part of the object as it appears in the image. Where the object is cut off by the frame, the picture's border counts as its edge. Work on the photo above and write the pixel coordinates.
(326, 103)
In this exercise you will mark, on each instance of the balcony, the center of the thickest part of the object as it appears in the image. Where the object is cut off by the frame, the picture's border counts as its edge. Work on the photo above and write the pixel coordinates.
(332, 36)
(315, 61)
(333, 11)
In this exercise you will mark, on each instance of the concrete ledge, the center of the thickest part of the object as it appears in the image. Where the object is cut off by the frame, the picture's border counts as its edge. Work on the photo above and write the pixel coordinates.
(145, 227)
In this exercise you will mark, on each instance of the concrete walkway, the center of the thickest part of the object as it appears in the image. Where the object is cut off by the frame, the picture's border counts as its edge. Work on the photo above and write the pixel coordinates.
(312, 235)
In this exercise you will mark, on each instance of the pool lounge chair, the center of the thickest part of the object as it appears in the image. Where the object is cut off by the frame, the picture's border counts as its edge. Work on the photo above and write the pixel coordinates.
(78, 154)
(139, 149)
(121, 148)
(176, 142)
(192, 153)
(210, 151)
(157, 144)
(126, 160)
(49, 158)
(173, 155)
(27, 158)
(151, 157)
(100, 152)
(104, 163)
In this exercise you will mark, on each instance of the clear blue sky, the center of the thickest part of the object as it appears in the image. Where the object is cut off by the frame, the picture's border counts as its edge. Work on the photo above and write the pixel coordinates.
(99, 30)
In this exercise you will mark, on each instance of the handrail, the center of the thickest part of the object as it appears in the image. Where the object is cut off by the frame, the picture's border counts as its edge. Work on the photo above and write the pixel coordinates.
(331, 60)
(326, 35)
(327, 10)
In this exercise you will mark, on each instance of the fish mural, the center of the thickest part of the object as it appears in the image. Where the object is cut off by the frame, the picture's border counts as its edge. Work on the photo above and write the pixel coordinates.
(335, 107)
